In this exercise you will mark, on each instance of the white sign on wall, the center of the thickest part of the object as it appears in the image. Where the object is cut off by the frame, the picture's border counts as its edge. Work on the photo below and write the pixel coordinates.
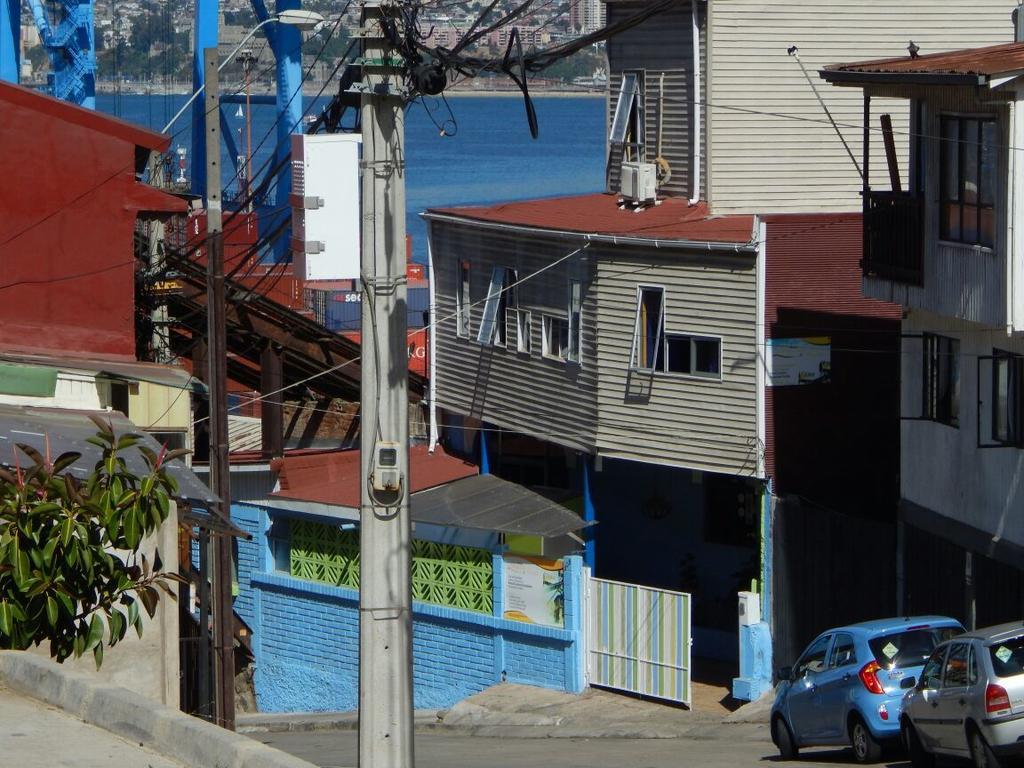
(534, 590)
(799, 361)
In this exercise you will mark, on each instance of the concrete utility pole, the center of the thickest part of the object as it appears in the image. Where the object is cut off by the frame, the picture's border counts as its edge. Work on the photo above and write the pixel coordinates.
(217, 374)
(385, 591)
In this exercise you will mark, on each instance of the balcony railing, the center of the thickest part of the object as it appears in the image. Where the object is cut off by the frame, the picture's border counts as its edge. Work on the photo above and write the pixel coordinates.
(893, 237)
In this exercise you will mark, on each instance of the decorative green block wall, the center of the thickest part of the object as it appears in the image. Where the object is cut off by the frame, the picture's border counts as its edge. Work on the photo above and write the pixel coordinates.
(443, 574)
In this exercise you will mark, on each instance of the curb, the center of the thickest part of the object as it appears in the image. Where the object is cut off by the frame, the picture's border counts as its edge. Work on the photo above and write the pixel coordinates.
(194, 743)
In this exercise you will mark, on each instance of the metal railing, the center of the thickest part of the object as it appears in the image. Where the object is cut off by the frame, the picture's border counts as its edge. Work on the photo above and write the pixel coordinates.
(894, 237)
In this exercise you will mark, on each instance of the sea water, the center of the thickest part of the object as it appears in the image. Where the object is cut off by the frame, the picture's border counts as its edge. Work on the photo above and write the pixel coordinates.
(489, 157)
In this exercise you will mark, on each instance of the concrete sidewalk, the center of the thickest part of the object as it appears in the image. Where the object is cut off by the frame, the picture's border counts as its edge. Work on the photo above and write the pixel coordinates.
(522, 711)
(34, 734)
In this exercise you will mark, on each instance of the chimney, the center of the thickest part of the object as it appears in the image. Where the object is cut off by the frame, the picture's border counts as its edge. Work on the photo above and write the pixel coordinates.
(1018, 24)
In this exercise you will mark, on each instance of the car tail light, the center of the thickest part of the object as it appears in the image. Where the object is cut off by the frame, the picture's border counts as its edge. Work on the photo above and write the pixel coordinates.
(869, 676)
(996, 698)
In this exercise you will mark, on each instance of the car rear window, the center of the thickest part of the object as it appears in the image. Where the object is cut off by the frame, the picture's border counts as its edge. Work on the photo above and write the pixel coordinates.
(1007, 657)
(910, 648)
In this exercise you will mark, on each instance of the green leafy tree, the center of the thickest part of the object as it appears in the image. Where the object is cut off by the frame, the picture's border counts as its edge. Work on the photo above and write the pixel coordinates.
(70, 569)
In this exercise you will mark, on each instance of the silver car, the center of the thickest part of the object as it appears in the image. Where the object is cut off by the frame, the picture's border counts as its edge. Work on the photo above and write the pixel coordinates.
(969, 701)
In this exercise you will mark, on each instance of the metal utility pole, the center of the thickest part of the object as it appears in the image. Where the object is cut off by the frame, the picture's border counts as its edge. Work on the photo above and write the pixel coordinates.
(385, 591)
(223, 618)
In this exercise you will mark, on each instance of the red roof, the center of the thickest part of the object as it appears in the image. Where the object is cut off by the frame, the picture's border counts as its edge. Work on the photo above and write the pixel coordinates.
(988, 61)
(599, 214)
(334, 477)
(87, 118)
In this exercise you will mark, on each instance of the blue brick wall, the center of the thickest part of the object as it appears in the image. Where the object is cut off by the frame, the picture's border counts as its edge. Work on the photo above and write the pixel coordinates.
(250, 558)
(307, 650)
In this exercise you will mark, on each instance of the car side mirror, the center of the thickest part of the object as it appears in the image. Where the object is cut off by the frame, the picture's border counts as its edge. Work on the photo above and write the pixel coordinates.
(908, 682)
(785, 673)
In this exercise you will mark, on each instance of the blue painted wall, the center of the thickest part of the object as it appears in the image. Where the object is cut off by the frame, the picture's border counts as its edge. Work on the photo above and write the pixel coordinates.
(306, 638)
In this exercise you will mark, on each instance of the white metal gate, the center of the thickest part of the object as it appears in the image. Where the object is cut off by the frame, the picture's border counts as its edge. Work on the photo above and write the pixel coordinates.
(639, 639)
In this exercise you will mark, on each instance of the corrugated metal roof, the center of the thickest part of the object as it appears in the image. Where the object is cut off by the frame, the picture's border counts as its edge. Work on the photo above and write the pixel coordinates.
(245, 434)
(87, 118)
(68, 430)
(334, 477)
(155, 373)
(985, 62)
(599, 214)
(488, 503)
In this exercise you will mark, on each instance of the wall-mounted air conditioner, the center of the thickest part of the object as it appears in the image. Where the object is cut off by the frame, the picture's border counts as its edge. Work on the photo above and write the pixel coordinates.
(639, 182)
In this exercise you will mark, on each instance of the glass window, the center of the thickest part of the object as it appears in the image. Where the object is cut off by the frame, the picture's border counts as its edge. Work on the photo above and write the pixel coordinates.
(555, 341)
(1008, 657)
(279, 539)
(844, 651)
(955, 674)
(694, 355)
(931, 675)
(909, 648)
(972, 666)
(462, 301)
(968, 159)
(1007, 378)
(813, 659)
(575, 320)
(492, 330)
(524, 330)
(941, 379)
(649, 329)
(628, 124)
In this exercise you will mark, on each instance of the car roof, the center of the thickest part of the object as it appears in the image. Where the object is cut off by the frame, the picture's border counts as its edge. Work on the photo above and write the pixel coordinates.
(997, 633)
(896, 624)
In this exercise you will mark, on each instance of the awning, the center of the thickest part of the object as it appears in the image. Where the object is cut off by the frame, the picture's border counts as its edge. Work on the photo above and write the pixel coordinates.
(68, 430)
(488, 503)
(155, 373)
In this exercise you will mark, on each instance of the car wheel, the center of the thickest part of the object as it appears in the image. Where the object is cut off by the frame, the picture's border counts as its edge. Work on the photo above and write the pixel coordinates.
(783, 739)
(866, 748)
(982, 755)
(919, 758)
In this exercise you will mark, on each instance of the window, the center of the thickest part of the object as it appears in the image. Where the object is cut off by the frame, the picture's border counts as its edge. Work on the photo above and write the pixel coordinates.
(693, 355)
(844, 652)
(813, 659)
(492, 324)
(628, 128)
(556, 337)
(462, 301)
(1007, 378)
(649, 329)
(524, 330)
(910, 647)
(968, 180)
(941, 379)
(279, 539)
(931, 675)
(955, 675)
(575, 316)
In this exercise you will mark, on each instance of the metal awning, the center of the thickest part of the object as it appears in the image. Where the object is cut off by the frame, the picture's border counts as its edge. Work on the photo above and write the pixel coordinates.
(488, 503)
(166, 375)
(68, 430)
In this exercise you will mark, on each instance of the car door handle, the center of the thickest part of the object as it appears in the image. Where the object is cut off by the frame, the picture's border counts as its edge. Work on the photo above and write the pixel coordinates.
(935, 703)
(846, 677)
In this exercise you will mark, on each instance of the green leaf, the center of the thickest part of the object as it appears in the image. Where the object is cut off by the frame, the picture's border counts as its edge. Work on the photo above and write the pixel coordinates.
(95, 632)
(177, 453)
(117, 626)
(6, 619)
(65, 460)
(21, 568)
(67, 527)
(52, 610)
(32, 453)
(48, 550)
(149, 598)
(131, 528)
(97, 653)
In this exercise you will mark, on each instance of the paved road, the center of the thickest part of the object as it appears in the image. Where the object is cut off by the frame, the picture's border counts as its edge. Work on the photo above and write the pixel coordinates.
(34, 735)
(719, 746)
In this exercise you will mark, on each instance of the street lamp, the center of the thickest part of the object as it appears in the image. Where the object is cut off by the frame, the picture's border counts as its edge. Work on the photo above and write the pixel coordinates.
(306, 21)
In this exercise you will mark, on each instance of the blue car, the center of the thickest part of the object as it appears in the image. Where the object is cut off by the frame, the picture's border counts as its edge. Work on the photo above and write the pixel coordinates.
(846, 687)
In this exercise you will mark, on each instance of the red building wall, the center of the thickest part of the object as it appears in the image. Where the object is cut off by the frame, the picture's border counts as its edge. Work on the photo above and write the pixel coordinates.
(68, 204)
(836, 443)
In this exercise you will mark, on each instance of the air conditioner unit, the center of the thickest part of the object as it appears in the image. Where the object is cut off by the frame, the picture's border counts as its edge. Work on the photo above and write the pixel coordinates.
(639, 182)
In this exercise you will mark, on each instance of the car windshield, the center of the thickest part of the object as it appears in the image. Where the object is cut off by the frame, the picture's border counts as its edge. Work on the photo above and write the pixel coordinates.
(1008, 657)
(910, 648)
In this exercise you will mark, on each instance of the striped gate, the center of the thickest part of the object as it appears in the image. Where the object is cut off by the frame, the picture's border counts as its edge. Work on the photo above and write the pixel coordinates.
(639, 639)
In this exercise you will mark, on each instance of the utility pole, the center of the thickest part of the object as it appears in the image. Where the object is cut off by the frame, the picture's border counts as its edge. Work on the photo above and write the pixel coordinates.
(223, 617)
(385, 591)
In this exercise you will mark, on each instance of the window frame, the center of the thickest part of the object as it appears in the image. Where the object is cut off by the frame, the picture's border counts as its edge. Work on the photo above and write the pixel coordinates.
(547, 319)
(1014, 416)
(949, 199)
(630, 119)
(490, 333)
(932, 408)
(693, 373)
(463, 303)
(841, 637)
(802, 662)
(524, 331)
(574, 318)
(659, 337)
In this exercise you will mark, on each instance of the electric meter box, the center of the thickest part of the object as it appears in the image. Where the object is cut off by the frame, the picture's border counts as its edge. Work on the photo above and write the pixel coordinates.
(749, 609)
(325, 204)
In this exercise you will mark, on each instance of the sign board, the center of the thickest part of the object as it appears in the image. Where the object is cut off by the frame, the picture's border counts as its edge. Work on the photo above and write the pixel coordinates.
(534, 590)
(799, 361)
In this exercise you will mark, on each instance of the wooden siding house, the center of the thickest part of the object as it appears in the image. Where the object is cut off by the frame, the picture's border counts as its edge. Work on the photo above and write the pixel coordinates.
(700, 370)
(943, 241)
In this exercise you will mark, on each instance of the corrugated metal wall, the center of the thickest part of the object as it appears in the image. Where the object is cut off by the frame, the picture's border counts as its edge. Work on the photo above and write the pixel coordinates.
(837, 442)
(671, 418)
(661, 45)
(549, 399)
(771, 147)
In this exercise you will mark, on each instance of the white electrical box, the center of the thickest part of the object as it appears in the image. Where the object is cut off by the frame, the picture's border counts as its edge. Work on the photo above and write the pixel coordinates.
(386, 470)
(749, 608)
(325, 206)
(639, 182)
